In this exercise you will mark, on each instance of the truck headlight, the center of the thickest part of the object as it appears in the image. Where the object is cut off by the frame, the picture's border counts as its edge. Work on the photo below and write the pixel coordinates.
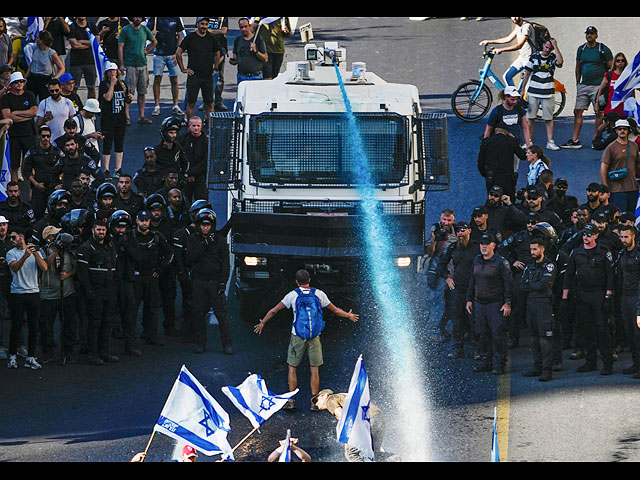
(255, 261)
(403, 261)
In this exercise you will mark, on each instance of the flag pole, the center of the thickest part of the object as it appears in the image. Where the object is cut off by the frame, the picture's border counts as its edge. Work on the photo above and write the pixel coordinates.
(148, 445)
(243, 440)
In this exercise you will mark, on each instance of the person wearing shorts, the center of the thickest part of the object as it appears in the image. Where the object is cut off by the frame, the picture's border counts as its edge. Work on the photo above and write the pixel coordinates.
(539, 84)
(168, 31)
(81, 62)
(299, 346)
(593, 59)
(132, 54)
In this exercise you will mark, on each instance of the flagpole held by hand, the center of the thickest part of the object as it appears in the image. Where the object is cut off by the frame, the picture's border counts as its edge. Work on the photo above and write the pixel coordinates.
(243, 440)
(148, 445)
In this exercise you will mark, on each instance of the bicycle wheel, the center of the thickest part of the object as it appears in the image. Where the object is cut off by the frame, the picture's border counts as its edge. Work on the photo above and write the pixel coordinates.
(465, 107)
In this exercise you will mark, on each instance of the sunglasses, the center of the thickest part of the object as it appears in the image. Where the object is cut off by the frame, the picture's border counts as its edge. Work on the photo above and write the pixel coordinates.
(45, 135)
(588, 235)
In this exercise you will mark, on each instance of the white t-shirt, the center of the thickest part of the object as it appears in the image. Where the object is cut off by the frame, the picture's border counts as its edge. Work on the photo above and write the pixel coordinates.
(290, 298)
(24, 280)
(525, 30)
(85, 127)
(61, 110)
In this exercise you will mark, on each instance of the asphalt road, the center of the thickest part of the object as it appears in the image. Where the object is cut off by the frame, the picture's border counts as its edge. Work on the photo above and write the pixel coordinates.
(84, 413)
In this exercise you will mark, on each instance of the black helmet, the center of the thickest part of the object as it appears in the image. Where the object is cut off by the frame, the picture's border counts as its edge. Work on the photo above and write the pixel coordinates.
(120, 217)
(171, 123)
(76, 218)
(56, 198)
(106, 190)
(197, 206)
(546, 231)
(154, 201)
(206, 216)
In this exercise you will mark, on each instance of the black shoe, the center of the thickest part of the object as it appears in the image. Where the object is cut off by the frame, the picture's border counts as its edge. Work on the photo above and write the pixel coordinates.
(498, 371)
(199, 349)
(545, 377)
(95, 360)
(45, 358)
(532, 373)
(607, 370)
(484, 367)
(557, 367)
(636, 376)
(633, 369)
(109, 358)
(577, 355)
(155, 341)
(134, 352)
(456, 354)
(290, 405)
(228, 350)
(219, 107)
(587, 367)
(69, 358)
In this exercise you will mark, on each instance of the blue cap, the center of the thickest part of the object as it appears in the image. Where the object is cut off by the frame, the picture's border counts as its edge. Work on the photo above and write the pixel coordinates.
(66, 77)
(143, 215)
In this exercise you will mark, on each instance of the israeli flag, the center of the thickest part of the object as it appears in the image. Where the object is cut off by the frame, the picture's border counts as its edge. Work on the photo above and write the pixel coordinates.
(100, 59)
(255, 401)
(628, 81)
(34, 26)
(632, 108)
(192, 415)
(5, 177)
(268, 20)
(285, 455)
(637, 222)
(354, 426)
(495, 454)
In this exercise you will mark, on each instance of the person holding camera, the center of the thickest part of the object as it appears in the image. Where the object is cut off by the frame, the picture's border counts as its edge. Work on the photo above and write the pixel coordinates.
(25, 263)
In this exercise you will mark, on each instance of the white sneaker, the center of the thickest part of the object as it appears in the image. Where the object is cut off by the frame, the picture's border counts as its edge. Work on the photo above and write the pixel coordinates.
(156, 111)
(177, 110)
(551, 145)
(12, 362)
(30, 362)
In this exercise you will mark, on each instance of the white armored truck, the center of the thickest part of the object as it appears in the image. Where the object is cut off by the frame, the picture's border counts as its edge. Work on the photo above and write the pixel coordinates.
(282, 155)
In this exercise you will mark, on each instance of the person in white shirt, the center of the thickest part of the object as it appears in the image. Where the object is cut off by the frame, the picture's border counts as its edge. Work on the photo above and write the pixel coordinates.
(55, 110)
(537, 163)
(87, 123)
(298, 345)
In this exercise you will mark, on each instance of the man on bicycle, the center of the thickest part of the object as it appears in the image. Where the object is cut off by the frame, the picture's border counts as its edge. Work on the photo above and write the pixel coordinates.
(524, 35)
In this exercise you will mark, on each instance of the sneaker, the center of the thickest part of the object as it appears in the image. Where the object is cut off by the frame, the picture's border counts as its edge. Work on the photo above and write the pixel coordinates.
(117, 174)
(545, 377)
(12, 362)
(551, 145)
(3, 353)
(290, 405)
(20, 177)
(571, 143)
(31, 362)
(532, 373)
(607, 370)
(219, 107)
(177, 110)
(498, 371)
(22, 351)
(107, 173)
(156, 111)
(587, 367)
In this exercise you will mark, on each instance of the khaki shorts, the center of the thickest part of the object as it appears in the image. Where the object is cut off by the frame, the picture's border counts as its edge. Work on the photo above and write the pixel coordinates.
(297, 347)
(548, 104)
(585, 96)
(136, 79)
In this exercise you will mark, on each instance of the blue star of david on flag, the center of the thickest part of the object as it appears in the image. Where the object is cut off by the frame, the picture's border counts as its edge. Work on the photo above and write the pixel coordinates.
(255, 401)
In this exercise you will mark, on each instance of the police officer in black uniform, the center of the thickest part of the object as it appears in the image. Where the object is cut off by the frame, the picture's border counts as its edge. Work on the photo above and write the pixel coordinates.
(196, 147)
(97, 259)
(207, 255)
(72, 162)
(537, 284)
(562, 204)
(121, 225)
(19, 213)
(504, 217)
(489, 298)
(169, 153)
(455, 266)
(104, 206)
(58, 204)
(628, 273)
(127, 199)
(148, 179)
(150, 254)
(480, 224)
(40, 169)
(592, 268)
(516, 249)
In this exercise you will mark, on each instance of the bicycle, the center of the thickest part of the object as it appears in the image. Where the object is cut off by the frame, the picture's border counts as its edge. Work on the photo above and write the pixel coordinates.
(472, 100)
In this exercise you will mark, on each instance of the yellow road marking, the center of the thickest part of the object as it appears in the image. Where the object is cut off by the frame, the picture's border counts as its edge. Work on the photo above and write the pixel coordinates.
(503, 405)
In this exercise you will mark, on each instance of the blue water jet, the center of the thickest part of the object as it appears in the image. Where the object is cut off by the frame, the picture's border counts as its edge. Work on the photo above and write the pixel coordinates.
(394, 316)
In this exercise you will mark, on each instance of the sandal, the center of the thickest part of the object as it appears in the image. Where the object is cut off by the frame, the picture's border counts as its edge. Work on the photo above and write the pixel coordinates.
(144, 121)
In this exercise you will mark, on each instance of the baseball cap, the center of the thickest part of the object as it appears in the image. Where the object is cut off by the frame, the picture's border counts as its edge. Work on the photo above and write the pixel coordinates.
(314, 399)
(590, 228)
(143, 215)
(591, 30)
(461, 226)
(50, 230)
(199, 19)
(66, 77)
(511, 91)
(497, 189)
(478, 211)
(110, 66)
(189, 451)
(600, 217)
(6, 68)
(487, 238)
(533, 192)
(562, 181)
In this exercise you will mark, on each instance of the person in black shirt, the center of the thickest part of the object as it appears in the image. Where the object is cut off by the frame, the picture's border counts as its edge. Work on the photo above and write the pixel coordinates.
(18, 213)
(148, 180)
(496, 161)
(72, 162)
(127, 199)
(590, 273)
(503, 216)
(195, 145)
(489, 298)
(204, 55)
(219, 26)
(628, 272)
(455, 267)
(536, 283)
(109, 30)
(58, 28)
(562, 204)
(81, 61)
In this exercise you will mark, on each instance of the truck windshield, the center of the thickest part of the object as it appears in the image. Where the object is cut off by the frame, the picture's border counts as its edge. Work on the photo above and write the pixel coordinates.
(314, 149)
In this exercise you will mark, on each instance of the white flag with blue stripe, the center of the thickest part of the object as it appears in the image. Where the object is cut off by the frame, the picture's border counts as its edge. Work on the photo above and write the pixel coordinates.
(495, 453)
(628, 81)
(5, 177)
(285, 454)
(354, 426)
(100, 59)
(34, 26)
(255, 401)
(192, 415)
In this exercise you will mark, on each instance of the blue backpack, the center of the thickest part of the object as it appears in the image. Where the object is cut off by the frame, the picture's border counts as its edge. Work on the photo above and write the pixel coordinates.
(308, 314)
